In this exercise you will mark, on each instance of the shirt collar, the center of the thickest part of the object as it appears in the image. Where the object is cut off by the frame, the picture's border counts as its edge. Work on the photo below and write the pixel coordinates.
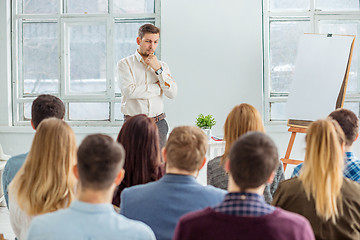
(350, 155)
(244, 196)
(138, 56)
(91, 208)
(178, 178)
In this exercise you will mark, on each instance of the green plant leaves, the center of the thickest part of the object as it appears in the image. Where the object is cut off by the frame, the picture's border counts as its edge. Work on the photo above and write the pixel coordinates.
(205, 121)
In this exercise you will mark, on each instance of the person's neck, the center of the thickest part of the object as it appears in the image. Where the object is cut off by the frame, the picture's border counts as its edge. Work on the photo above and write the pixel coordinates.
(172, 170)
(348, 148)
(95, 196)
(233, 188)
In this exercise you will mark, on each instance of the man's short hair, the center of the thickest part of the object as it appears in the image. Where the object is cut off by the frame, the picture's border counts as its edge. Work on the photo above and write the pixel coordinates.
(186, 148)
(46, 106)
(349, 123)
(253, 157)
(100, 159)
(148, 28)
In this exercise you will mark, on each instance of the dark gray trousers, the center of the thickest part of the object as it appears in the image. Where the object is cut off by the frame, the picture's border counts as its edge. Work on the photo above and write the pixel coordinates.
(163, 131)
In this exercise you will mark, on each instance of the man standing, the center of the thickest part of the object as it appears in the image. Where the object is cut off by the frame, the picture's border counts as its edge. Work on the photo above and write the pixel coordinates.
(244, 214)
(99, 170)
(44, 106)
(144, 80)
(160, 204)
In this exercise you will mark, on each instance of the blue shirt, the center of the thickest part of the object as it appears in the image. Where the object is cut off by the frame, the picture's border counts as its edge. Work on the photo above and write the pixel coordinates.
(244, 204)
(11, 168)
(87, 221)
(351, 168)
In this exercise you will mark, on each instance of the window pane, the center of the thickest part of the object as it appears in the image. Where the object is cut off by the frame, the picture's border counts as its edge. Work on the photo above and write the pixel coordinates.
(353, 106)
(289, 5)
(347, 28)
(125, 42)
(40, 58)
(27, 111)
(87, 6)
(87, 58)
(89, 111)
(284, 37)
(40, 6)
(278, 111)
(119, 116)
(134, 6)
(337, 5)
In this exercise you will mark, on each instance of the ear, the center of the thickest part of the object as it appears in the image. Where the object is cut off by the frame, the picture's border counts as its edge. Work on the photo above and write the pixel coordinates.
(343, 147)
(271, 178)
(227, 166)
(75, 171)
(357, 136)
(163, 152)
(119, 177)
(138, 40)
(32, 124)
(203, 163)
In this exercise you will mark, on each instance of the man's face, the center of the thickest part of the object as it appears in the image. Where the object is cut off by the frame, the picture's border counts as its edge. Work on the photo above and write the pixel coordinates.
(148, 44)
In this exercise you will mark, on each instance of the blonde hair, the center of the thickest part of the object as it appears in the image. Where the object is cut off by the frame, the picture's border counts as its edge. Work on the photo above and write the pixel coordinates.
(322, 172)
(243, 118)
(45, 182)
(186, 148)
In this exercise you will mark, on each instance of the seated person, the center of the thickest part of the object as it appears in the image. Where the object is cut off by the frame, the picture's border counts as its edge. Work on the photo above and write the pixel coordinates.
(349, 123)
(45, 182)
(99, 170)
(160, 204)
(253, 160)
(140, 138)
(321, 193)
(242, 119)
(44, 106)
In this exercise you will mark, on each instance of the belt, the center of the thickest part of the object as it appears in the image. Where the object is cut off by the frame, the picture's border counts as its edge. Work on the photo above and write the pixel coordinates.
(158, 118)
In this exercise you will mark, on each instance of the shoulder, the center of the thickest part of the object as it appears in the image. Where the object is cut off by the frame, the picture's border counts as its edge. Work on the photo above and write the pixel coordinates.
(215, 162)
(351, 190)
(16, 161)
(126, 61)
(140, 190)
(296, 221)
(133, 226)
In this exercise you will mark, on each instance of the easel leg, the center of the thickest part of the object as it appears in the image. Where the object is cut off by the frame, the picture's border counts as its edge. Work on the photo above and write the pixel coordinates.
(289, 148)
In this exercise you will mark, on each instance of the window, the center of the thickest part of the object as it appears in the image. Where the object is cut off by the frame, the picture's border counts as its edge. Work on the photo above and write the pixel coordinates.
(69, 48)
(284, 22)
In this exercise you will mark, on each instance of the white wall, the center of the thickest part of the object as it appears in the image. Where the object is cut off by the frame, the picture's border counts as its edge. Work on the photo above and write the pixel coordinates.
(214, 50)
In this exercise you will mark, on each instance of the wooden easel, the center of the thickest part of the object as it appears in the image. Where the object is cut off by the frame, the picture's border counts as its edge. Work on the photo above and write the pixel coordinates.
(286, 160)
(300, 126)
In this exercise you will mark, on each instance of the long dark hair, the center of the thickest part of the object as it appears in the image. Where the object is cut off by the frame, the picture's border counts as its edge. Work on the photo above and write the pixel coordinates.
(140, 138)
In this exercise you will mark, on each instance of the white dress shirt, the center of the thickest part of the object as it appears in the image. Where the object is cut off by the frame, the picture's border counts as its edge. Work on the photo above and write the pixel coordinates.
(138, 83)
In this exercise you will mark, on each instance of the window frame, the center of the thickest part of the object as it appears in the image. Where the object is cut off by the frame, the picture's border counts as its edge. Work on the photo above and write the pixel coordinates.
(63, 20)
(312, 15)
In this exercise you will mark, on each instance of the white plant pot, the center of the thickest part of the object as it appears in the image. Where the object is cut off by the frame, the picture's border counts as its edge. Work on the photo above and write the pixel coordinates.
(207, 131)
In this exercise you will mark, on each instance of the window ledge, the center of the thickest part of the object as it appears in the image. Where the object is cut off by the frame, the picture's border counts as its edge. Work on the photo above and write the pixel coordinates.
(77, 130)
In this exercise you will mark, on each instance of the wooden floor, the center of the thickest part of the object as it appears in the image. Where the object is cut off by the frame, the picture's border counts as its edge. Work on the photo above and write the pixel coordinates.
(5, 227)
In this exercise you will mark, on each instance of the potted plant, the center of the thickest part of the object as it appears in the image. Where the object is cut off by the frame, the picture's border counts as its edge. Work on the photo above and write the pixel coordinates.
(205, 123)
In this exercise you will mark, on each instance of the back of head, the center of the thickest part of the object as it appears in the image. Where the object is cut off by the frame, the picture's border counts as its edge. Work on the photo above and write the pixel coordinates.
(349, 123)
(322, 172)
(100, 159)
(45, 182)
(148, 28)
(242, 119)
(140, 138)
(253, 157)
(186, 148)
(46, 106)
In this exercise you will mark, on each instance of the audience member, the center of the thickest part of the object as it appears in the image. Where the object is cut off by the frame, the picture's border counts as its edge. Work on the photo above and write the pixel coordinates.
(45, 182)
(253, 160)
(140, 138)
(321, 193)
(44, 106)
(242, 119)
(160, 204)
(91, 216)
(349, 123)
